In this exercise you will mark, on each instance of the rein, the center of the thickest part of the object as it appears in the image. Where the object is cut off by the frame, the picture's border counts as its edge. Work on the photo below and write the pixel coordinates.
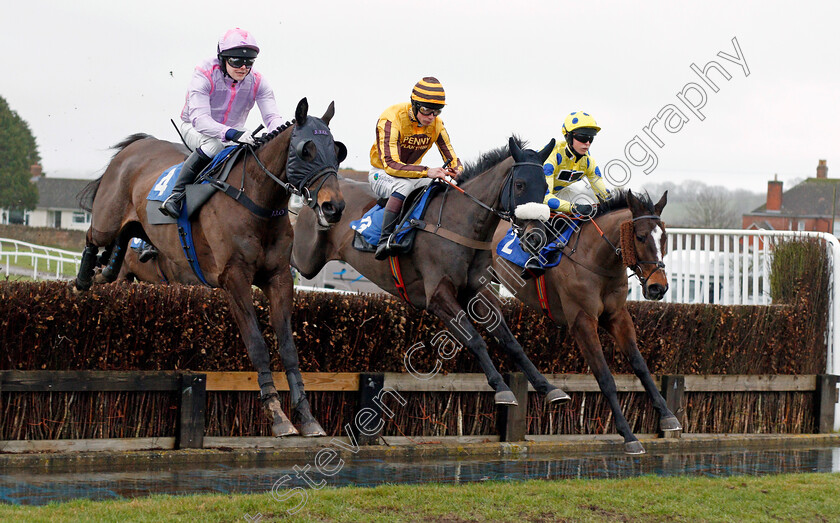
(263, 212)
(454, 237)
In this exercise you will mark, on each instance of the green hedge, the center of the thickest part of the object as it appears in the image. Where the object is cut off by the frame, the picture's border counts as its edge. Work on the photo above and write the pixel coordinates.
(143, 327)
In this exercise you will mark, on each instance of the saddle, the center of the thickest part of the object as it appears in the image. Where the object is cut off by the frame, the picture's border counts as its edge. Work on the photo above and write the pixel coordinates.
(368, 229)
(196, 193)
(511, 250)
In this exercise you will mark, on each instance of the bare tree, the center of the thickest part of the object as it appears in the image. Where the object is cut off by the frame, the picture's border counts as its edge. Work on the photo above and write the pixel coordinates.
(714, 208)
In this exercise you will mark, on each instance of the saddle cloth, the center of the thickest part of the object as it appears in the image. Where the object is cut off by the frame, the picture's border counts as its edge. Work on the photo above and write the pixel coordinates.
(196, 194)
(369, 227)
(511, 249)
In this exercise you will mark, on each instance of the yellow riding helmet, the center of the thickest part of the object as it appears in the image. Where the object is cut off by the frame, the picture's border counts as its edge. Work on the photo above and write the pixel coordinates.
(579, 120)
(429, 93)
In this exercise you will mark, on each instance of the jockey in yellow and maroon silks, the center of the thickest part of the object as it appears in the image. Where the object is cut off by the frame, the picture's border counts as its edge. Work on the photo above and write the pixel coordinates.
(404, 134)
(570, 161)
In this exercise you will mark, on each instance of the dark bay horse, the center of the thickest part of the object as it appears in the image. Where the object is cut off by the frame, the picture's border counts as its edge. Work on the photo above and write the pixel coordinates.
(442, 276)
(236, 247)
(588, 288)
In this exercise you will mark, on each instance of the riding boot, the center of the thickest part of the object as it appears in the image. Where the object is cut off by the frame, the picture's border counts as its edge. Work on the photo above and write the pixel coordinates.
(192, 166)
(147, 253)
(389, 223)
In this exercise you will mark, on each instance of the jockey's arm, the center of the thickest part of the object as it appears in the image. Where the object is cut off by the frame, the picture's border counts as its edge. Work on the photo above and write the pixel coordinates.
(268, 106)
(596, 181)
(555, 203)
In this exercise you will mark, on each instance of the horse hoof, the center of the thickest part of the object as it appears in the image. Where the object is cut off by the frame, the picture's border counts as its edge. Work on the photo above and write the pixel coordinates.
(633, 448)
(312, 429)
(505, 397)
(284, 428)
(669, 424)
(556, 396)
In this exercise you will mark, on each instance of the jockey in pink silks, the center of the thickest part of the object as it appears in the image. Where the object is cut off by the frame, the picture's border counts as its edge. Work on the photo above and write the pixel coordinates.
(222, 92)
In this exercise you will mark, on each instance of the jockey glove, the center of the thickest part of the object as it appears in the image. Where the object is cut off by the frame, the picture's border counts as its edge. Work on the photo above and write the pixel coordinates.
(235, 135)
(582, 208)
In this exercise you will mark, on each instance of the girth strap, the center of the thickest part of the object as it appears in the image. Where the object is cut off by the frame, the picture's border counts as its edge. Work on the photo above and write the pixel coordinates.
(542, 296)
(396, 272)
(451, 236)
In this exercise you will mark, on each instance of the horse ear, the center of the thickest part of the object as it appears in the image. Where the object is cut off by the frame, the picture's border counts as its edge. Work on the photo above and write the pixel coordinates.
(546, 151)
(340, 151)
(515, 151)
(301, 111)
(661, 204)
(633, 203)
(329, 114)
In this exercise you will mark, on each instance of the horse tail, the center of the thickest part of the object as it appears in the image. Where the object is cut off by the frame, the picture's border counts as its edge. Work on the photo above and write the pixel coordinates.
(87, 195)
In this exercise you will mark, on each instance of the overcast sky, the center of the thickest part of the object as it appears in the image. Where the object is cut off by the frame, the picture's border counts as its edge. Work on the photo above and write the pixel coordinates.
(86, 74)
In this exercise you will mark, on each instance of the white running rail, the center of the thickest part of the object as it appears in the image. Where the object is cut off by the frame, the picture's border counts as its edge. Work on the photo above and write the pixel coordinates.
(44, 260)
(732, 267)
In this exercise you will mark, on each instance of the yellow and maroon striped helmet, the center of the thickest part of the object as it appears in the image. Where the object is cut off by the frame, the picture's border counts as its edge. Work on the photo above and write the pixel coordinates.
(429, 93)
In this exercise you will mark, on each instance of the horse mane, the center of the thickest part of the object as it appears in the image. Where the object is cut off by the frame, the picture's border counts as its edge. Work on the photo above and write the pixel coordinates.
(267, 137)
(619, 201)
(488, 160)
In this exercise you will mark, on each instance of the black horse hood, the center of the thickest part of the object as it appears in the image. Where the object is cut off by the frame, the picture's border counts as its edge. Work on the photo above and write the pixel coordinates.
(312, 152)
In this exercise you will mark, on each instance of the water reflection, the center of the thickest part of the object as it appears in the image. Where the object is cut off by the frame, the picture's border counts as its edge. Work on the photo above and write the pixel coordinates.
(22, 487)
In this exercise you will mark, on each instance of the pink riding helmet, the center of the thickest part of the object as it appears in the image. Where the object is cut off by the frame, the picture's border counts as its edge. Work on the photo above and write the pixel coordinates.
(238, 42)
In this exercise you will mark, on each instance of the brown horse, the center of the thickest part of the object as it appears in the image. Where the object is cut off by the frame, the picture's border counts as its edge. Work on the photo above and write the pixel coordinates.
(236, 246)
(589, 287)
(448, 276)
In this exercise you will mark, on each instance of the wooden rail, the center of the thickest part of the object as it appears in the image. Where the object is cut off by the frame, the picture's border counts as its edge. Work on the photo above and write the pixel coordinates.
(193, 387)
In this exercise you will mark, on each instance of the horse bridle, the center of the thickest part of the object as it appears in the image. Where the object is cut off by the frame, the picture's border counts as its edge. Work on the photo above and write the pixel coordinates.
(504, 214)
(636, 267)
(304, 191)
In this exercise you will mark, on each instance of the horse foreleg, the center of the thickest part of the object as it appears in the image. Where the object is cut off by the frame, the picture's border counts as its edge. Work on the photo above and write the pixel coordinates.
(585, 332)
(445, 306)
(242, 308)
(280, 293)
(496, 325)
(84, 279)
(620, 326)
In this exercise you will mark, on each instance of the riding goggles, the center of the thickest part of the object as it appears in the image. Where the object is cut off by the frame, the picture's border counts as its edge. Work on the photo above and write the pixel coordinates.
(236, 62)
(583, 138)
(425, 111)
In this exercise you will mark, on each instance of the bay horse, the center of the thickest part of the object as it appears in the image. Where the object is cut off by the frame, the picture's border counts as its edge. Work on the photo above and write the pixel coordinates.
(588, 288)
(236, 246)
(448, 276)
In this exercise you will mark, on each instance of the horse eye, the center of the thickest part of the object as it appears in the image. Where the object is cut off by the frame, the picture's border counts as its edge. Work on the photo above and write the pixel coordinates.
(641, 237)
(520, 186)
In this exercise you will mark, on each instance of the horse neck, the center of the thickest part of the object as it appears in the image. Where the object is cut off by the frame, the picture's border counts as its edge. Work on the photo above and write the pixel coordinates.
(486, 188)
(258, 185)
(604, 254)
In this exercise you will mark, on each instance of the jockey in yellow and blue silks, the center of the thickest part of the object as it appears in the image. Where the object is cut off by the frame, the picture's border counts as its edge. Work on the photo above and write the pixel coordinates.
(570, 161)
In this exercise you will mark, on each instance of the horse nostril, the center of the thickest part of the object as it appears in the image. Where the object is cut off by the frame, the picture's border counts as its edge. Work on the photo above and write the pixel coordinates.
(656, 291)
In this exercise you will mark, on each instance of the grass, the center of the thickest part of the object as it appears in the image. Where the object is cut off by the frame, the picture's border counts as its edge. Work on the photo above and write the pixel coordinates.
(27, 263)
(787, 497)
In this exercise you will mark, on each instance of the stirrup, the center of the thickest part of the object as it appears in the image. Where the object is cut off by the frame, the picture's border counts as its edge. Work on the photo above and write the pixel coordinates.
(383, 250)
(174, 199)
(147, 254)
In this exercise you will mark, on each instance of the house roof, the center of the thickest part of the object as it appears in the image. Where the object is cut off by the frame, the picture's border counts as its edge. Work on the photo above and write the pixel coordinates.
(812, 197)
(59, 193)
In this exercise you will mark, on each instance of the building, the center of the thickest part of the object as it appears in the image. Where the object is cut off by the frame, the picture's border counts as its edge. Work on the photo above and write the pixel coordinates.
(58, 206)
(812, 205)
